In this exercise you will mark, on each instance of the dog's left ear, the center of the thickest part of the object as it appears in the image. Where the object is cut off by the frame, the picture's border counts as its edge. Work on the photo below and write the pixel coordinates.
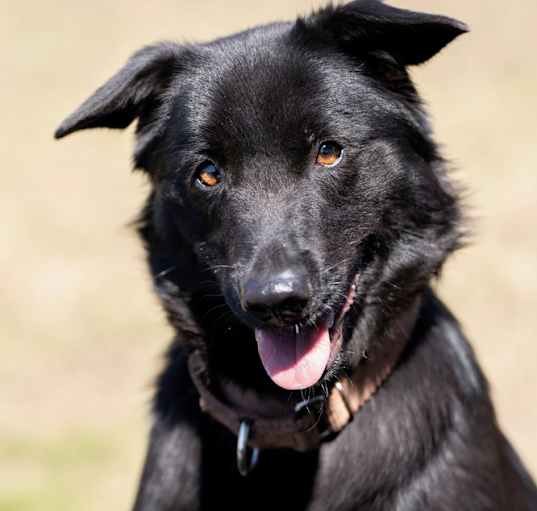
(369, 25)
(125, 97)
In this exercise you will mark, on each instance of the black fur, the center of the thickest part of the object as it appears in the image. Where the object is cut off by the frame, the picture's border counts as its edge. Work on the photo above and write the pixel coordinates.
(259, 104)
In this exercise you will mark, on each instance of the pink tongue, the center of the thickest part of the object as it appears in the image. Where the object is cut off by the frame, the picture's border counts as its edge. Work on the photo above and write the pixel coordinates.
(294, 361)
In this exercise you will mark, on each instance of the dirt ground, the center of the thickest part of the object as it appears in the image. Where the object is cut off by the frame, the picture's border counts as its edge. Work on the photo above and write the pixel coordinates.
(81, 334)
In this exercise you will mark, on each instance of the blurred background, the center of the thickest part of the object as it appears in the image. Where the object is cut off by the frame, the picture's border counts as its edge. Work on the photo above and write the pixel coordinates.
(81, 334)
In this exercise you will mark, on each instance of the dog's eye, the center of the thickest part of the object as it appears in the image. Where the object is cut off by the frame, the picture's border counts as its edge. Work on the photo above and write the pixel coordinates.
(329, 154)
(208, 175)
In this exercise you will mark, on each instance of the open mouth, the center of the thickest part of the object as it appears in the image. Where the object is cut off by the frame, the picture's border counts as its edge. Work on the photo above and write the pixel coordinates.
(296, 358)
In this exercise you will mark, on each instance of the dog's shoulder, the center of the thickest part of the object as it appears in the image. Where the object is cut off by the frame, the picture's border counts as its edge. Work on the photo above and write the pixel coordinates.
(449, 348)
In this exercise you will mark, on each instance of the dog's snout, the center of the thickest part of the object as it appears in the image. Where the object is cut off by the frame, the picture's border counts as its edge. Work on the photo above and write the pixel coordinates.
(276, 298)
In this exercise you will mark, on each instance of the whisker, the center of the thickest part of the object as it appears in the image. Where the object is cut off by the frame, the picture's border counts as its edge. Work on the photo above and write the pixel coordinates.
(340, 263)
(165, 272)
(215, 308)
(221, 267)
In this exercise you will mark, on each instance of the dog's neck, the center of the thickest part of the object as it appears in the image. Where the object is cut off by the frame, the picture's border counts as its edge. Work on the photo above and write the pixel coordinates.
(280, 423)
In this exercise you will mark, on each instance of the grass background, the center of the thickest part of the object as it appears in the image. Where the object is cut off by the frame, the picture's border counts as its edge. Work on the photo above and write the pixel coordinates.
(81, 334)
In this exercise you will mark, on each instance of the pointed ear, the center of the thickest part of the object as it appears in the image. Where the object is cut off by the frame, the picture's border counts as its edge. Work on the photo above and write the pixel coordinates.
(123, 98)
(370, 25)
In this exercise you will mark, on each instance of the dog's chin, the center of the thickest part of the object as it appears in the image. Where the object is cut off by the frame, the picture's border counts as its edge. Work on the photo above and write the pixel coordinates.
(298, 357)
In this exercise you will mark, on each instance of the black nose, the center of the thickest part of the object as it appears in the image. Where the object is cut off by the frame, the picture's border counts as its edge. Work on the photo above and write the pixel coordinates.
(279, 298)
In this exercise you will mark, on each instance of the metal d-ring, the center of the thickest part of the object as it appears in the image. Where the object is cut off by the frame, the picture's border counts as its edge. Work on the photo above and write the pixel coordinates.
(246, 462)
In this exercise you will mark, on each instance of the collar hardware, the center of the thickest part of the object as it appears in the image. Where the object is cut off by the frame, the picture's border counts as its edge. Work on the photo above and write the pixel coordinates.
(312, 421)
(246, 459)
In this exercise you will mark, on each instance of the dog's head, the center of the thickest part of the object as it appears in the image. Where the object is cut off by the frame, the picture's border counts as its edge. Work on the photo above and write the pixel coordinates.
(297, 195)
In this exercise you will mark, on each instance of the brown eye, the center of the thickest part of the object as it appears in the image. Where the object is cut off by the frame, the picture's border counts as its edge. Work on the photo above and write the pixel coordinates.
(208, 175)
(329, 154)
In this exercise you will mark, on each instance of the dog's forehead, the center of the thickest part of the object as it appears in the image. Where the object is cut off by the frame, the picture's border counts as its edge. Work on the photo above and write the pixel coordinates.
(265, 89)
(261, 88)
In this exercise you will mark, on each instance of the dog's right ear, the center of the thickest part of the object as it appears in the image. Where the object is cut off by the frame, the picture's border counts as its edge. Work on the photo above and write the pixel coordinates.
(123, 98)
(364, 26)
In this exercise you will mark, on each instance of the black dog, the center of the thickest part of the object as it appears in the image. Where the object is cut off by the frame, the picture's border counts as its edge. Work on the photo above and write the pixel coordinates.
(299, 210)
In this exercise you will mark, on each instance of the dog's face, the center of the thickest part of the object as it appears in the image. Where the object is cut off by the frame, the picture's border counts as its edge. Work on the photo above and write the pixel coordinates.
(295, 183)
